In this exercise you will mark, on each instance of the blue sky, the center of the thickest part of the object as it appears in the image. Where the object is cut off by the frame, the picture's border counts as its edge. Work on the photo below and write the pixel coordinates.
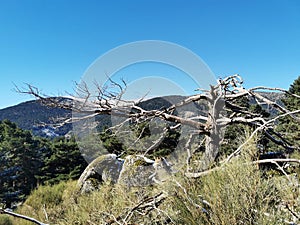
(51, 43)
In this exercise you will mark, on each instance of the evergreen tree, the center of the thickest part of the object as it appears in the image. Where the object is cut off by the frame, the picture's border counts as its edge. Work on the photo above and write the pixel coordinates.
(20, 162)
(111, 143)
(63, 162)
(233, 132)
(289, 127)
(140, 138)
(26, 161)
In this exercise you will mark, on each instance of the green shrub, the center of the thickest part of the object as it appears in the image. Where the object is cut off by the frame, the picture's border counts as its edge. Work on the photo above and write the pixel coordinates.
(5, 220)
(45, 203)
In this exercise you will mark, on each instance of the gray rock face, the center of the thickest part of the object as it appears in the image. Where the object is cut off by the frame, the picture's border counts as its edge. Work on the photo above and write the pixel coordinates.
(90, 185)
(137, 171)
(103, 169)
(133, 171)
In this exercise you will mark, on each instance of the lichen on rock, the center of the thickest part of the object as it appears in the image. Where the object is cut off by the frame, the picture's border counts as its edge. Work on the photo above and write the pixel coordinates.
(105, 168)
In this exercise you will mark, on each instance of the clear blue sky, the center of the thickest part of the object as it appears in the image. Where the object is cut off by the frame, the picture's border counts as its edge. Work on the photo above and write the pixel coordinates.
(50, 43)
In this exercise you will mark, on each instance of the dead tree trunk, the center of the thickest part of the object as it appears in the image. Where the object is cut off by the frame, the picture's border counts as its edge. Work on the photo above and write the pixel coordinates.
(220, 100)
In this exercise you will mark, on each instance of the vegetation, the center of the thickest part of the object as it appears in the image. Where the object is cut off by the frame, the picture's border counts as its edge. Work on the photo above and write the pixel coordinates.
(236, 194)
(62, 161)
(26, 161)
(239, 187)
(20, 160)
(288, 125)
(139, 140)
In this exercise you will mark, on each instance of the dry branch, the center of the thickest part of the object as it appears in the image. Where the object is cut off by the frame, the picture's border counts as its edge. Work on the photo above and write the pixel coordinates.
(10, 213)
(262, 161)
(211, 124)
(144, 207)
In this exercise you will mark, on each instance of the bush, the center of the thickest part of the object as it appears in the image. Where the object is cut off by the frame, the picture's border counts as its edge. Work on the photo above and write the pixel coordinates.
(5, 220)
(236, 193)
(45, 203)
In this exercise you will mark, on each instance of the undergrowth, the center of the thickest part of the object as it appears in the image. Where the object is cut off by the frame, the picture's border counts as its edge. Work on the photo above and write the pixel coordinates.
(236, 193)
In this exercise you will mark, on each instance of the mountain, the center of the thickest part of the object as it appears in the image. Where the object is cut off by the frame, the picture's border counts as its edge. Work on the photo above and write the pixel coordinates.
(41, 120)
(273, 96)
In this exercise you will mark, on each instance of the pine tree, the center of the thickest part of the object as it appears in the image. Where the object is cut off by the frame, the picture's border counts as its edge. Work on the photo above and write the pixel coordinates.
(26, 161)
(291, 102)
(63, 162)
(289, 127)
(20, 162)
(233, 132)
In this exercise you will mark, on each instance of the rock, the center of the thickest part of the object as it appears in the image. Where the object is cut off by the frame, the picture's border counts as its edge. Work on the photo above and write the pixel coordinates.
(137, 171)
(133, 171)
(90, 185)
(103, 169)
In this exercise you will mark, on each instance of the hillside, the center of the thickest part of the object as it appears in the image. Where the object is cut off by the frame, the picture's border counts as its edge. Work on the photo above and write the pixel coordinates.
(40, 119)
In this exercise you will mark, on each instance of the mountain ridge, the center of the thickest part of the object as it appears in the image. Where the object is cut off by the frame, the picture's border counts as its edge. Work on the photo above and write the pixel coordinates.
(40, 119)
(36, 117)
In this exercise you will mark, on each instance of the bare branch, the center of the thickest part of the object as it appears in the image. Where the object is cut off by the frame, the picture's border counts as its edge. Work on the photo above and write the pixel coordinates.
(8, 212)
(274, 89)
(263, 161)
(236, 152)
(145, 206)
(156, 144)
(209, 124)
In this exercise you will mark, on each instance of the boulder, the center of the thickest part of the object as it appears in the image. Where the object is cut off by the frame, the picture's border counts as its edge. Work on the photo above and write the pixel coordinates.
(137, 171)
(133, 171)
(105, 168)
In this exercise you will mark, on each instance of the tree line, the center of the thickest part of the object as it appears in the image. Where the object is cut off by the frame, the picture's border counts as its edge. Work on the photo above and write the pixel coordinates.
(27, 161)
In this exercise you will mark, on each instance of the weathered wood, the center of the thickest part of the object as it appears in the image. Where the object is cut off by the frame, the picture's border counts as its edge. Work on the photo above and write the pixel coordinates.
(10, 213)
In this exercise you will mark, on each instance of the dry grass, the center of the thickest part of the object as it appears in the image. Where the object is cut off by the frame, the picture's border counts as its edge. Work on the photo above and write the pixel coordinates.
(235, 194)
